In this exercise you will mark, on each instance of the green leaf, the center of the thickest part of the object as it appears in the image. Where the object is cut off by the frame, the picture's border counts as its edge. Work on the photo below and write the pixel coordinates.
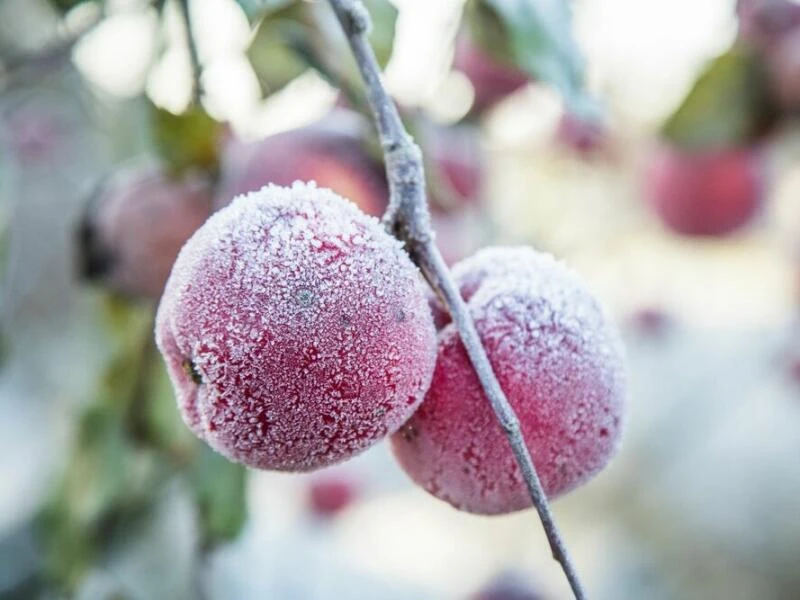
(384, 19)
(534, 36)
(109, 474)
(276, 50)
(107, 478)
(162, 420)
(728, 104)
(188, 140)
(220, 489)
(64, 6)
(296, 36)
(254, 9)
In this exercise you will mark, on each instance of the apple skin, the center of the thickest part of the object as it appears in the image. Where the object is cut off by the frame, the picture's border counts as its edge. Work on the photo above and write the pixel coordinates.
(704, 193)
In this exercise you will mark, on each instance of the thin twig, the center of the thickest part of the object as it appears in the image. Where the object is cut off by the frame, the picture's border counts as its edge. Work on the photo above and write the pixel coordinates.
(408, 218)
(194, 55)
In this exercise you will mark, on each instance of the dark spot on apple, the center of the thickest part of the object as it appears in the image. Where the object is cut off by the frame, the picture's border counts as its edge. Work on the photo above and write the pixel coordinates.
(305, 297)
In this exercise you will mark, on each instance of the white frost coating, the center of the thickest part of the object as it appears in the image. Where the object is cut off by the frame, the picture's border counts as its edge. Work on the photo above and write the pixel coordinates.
(304, 326)
(558, 359)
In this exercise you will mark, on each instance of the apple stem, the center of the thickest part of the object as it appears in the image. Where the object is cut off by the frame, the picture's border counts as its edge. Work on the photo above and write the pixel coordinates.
(194, 55)
(408, 218)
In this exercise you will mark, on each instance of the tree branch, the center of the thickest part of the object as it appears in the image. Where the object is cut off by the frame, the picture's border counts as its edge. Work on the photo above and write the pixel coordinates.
(194, 55)
(408, 218)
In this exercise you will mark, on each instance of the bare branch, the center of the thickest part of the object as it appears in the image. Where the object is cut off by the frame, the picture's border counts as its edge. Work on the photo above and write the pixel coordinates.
(194, 55)
(408, 218)
(407, 215)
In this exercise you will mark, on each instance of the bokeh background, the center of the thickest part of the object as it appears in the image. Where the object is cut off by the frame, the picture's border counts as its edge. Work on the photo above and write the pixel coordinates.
(104, 494)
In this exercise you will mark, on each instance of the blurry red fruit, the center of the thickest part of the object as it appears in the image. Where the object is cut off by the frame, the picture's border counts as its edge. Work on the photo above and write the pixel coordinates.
(651, 321)
(783, 61)
(582, 136)
(491, 80)
(32, 137)
(327, 496)
(455, 163)
(508, 586)
(704, 193)
(793, 368)
(137, 223)
(763, 23)
(331, 153)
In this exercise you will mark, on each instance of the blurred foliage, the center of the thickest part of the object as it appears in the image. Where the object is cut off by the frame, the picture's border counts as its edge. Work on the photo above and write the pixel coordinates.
(64, 6)
(128, 444)
(255, 9)
(107, 476)
(536, 38)
(293, 36)
(276, 52)
(381, 36)
(728, 105)
(187, 140)
(219, 488)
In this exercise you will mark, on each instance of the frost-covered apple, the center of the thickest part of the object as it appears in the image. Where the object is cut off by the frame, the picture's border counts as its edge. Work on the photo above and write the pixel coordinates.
(296, 331)
(558, 360)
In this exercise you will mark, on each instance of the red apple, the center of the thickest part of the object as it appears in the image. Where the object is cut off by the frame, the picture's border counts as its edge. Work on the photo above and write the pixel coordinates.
(329, 495)
(508, 585)
(651, 321)
(455, 166)
(582, 136)
(137, 223)
(762, 23)
(331, 153)
(704, 192)
(491, 80)
(783, 62)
